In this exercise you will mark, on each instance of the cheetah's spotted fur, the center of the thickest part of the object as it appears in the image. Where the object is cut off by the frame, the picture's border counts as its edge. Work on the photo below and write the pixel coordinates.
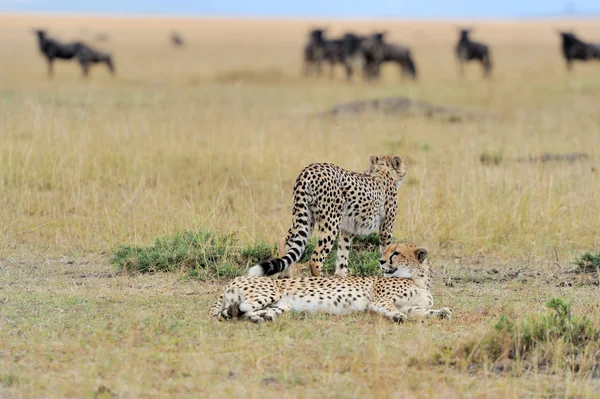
(339, 201)
(403, 292)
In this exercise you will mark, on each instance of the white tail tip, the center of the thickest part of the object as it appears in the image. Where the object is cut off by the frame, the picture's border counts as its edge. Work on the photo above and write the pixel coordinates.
(256, 271)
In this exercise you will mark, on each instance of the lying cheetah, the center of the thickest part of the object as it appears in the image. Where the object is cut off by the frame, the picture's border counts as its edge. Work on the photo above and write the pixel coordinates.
(343, 202)
(403, 291)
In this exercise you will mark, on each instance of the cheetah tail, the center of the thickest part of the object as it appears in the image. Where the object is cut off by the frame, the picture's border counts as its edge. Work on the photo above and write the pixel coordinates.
(296, 246)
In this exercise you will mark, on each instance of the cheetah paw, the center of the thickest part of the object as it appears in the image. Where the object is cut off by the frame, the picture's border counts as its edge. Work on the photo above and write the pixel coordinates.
(341, 273)
(256, 319)
(445, 313)
(399, 318)
(224, 315)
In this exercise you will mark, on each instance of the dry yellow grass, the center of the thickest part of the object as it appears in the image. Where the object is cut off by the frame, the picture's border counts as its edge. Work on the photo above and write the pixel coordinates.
(212, 136)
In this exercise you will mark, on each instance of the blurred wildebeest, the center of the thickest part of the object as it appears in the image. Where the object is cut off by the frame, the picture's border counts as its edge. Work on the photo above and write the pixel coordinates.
(53, 49)
(88, 56)
(352, 53)
(176, 39)
(333, 54)
(575, 49)
(377, 51)
(345, 51)
(468, 50)
(314, 51)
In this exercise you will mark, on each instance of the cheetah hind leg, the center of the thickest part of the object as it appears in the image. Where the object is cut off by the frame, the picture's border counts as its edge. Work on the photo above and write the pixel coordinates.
(327, 236)
(270, 313)
(388, 309)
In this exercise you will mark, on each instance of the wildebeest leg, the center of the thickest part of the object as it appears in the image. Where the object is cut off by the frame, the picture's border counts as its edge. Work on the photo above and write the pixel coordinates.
(85, 67)
(569, 65)
(487, 66)
(372, 71)
(405, 69)
(50, 67)
(349, 71)
(461, 68)
(309, 66)
(367, 72)
(306, 68)
(486, 70)
(319, 68)
(331, 69)
(377, 70)
(110, 66)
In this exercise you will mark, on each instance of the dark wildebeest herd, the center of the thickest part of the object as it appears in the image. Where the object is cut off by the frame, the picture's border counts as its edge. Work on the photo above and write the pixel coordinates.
(353, 51)
(368, 53)
(365, 53)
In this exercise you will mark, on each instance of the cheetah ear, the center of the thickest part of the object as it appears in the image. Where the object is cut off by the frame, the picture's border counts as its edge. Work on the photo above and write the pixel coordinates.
(399, 164)
(373, 159)
(421, 254)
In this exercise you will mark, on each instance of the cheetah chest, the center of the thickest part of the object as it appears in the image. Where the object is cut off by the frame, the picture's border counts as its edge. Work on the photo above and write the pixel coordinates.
(363, 216)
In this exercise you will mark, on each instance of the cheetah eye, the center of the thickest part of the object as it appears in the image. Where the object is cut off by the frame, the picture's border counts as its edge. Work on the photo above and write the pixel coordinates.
(396, 253)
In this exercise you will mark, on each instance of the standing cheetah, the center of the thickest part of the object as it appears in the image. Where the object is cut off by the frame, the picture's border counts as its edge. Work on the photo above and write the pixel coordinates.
(403, 291)
(339, 201)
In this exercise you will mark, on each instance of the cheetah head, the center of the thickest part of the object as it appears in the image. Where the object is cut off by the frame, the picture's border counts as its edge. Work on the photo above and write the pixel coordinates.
(390, 165)
(404, 260)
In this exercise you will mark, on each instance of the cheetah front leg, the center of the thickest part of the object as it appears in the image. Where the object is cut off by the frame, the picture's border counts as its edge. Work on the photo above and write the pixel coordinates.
(344, 242)
(422, 313)
(386, 307)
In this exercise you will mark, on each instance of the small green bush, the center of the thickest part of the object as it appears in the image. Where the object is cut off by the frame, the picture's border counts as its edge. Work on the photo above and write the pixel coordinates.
(363, 259)
(207, 255)
(588, 262)
(202, 254)
(552, 341)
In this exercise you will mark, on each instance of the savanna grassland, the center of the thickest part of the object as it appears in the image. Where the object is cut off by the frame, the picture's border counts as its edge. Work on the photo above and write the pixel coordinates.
(211, 136)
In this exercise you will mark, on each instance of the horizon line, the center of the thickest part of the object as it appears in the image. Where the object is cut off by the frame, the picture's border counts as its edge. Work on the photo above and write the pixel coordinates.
(96, 14)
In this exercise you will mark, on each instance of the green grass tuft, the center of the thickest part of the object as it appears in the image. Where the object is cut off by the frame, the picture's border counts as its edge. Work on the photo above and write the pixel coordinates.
(207, 255)
(551, 342)
(588, 262)
(201, 254)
